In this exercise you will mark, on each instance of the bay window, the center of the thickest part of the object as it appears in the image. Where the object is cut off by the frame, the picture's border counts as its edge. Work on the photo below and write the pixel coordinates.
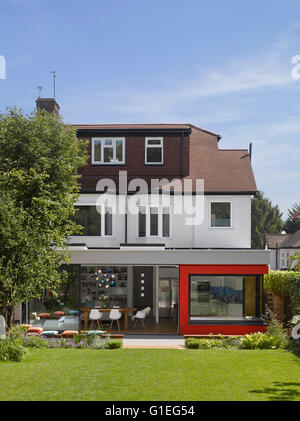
(224, 297)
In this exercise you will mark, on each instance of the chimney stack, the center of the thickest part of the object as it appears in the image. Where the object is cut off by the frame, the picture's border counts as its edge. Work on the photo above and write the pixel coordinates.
(47, 104)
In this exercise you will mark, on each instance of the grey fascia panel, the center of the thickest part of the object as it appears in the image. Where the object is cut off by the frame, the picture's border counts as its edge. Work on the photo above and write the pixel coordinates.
(173, 257)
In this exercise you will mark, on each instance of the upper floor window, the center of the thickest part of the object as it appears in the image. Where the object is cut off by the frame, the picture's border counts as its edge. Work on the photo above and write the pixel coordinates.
(154, 221)
(220, 214)
(93, 222)
(108, 150)
(154, 150)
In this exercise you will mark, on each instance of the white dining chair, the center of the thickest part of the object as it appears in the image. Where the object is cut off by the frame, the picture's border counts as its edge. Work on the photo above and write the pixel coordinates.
(115, 315)
(94, 316)
(141, 315)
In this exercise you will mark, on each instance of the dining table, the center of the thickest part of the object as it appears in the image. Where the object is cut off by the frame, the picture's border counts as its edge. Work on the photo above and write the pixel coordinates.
(124, 311)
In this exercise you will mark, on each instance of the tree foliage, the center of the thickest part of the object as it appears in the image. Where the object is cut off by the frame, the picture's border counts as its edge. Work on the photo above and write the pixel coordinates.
(265, 218)
(39, 159)
(291, 224)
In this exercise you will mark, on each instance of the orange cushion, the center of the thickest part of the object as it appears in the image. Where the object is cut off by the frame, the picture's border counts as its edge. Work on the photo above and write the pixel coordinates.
(59, 312)
(32, 334)
(35, 330)
(44, 315)
(69, 333)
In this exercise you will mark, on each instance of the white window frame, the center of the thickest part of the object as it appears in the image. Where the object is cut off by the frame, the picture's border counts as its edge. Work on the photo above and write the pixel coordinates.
(220, 201)
(284, 255)
(148, 220)
(102, 221)
(161, 146)
(114, 146)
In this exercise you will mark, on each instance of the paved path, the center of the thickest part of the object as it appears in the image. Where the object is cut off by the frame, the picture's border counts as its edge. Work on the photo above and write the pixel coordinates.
(153, 341)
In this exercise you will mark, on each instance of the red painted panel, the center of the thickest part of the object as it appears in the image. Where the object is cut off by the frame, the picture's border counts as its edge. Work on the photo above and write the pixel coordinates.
(220, 329)
(186, 270)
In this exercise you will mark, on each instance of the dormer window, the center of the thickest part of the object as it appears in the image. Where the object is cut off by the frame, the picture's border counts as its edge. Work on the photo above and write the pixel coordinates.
(108, 150)
(154, 150)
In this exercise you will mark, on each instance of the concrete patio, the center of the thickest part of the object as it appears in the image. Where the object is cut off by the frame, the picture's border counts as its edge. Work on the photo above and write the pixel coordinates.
(153, 341)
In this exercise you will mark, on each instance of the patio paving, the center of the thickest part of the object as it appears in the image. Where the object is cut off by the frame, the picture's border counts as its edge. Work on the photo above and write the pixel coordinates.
(154, 341)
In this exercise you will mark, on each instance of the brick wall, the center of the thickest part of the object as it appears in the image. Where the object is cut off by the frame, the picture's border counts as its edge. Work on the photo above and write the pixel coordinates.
(135, 165)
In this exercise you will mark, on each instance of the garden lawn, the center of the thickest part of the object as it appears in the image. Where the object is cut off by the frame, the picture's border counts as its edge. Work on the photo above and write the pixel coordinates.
(145, 374)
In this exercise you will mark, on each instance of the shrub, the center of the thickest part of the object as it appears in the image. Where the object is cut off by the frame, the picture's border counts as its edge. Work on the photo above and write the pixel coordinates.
(294, 346)
(277, 332)
(17, 332)
(275, 281)
(192, 343)
(99, 343)
(259, 340)
(285, 283)
(11, 350)
(83, 338)
(222, 343)
(114, 344)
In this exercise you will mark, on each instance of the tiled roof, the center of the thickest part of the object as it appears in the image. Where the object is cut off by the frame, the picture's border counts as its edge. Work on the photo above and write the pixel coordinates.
(222, 170)
(284, 240)
(275, 240)
(297, 215)
(158, 126)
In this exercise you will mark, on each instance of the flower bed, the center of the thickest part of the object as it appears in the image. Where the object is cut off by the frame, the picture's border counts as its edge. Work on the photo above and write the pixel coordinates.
(15, 346)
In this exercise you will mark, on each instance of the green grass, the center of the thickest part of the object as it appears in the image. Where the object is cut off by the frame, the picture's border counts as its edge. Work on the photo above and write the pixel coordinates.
(133, 374)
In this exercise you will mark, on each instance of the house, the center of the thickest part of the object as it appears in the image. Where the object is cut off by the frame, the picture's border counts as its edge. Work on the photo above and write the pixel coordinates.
(282, 246)
(145, 244)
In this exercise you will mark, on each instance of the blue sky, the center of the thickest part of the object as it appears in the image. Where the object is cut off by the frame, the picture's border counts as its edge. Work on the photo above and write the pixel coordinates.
(222, 65)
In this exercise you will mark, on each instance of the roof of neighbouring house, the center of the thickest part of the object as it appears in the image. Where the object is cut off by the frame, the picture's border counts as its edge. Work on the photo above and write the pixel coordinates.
(297, 215)
(283, 240)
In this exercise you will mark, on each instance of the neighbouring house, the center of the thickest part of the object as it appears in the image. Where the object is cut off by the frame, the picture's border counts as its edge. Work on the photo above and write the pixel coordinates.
(282, 246)
(197, 274)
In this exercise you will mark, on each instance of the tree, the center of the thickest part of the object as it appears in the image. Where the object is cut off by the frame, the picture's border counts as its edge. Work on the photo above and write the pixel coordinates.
(291, 224)
(265, 218)
(39, 159)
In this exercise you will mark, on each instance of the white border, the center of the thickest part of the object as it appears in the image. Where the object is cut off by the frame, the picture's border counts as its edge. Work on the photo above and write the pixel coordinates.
(113, 139)
(220, 201)
(160, 221)
(154, 146)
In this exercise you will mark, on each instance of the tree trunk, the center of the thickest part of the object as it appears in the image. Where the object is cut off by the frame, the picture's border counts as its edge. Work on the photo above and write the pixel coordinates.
(8, 313)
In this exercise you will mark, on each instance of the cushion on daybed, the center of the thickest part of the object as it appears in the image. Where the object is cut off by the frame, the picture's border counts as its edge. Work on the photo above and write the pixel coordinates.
(73, 312)
(69, 333)
(43, 315)
(49, 333)
(95, 332)
(35, 330)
